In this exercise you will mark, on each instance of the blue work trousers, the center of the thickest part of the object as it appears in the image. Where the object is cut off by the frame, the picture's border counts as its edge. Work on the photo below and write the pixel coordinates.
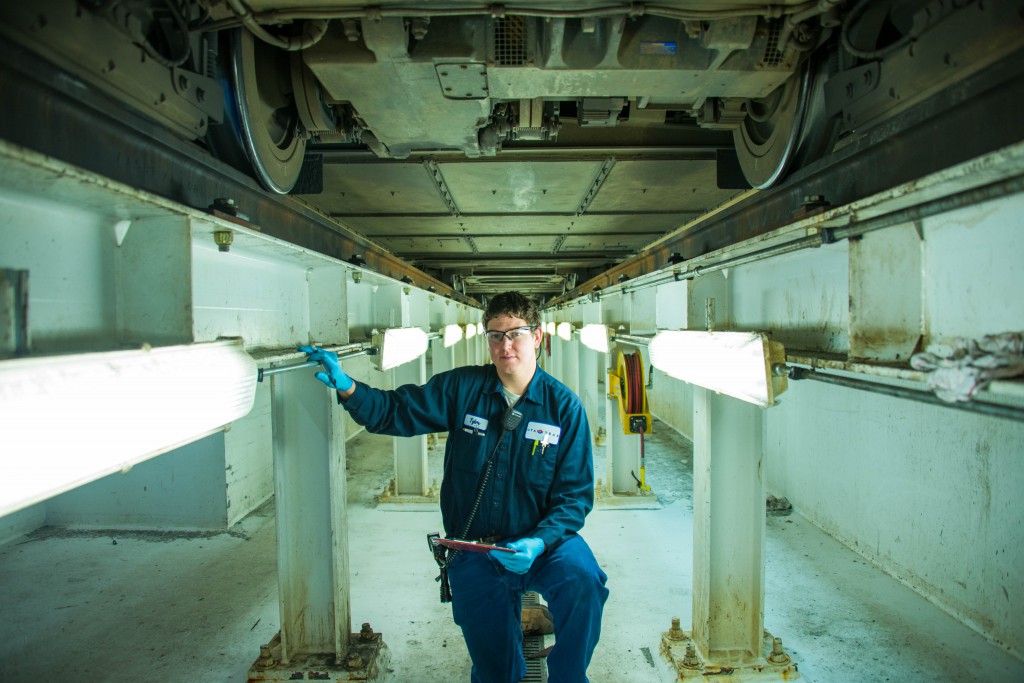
(486, 603)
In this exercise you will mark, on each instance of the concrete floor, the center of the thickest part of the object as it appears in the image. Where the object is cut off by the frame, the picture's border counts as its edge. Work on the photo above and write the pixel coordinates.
(91, 605)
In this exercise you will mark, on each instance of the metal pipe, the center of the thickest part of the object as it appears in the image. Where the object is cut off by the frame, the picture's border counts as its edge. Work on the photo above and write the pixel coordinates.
(261, 372)
(945, 204)
(982, 407)
(971, 197)
(632, 339)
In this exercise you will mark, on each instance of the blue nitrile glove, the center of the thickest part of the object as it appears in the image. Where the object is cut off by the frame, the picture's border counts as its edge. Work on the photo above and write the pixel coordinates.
(527, 550)
(334, 377)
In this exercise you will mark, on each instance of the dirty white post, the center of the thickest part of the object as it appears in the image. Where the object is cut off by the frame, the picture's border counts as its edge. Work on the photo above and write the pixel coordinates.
(727, 634)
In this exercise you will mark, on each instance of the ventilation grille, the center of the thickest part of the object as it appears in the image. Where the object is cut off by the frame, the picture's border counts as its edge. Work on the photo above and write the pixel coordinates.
(772, 56)
(510, 41)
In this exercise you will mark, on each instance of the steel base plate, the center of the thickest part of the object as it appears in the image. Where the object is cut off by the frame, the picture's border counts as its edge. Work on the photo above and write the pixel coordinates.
(367, 661)
(689, 663)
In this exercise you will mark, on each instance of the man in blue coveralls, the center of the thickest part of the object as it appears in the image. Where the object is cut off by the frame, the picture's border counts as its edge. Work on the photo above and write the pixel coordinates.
(540, 490)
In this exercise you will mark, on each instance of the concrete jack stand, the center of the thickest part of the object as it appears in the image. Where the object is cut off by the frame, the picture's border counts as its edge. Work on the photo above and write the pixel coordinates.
(367, 660)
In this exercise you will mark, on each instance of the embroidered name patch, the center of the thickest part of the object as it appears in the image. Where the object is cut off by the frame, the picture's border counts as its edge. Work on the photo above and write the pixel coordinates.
(472, 423)
(546, 434)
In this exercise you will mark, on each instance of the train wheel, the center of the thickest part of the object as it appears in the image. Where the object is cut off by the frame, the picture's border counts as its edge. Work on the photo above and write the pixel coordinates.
(788, 129)
(268, 118)
(767, 139)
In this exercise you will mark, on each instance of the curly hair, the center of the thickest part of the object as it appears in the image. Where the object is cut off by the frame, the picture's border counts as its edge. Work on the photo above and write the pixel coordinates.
(514, 305)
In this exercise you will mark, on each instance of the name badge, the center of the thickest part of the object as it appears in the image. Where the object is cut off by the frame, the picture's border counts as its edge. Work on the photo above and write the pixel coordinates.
(546, 434)
(473, 424)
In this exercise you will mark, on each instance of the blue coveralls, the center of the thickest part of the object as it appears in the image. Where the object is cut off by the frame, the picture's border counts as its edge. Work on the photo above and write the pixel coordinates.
(536, 490)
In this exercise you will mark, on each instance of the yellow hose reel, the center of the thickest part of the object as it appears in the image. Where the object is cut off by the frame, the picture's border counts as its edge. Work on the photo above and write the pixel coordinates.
(626, 383)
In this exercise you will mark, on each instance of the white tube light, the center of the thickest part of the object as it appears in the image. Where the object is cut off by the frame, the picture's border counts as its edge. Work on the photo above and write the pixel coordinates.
(595, 337)
(452, 335)
(470, 331)
(68, 420)
(399, 345)
(549, 327)
(479, 328)
(564, 330)
(738, 364)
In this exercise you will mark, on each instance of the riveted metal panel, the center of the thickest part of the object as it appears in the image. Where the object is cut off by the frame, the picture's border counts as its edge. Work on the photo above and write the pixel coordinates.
(661, 185)
(544, 187)
(378, 188)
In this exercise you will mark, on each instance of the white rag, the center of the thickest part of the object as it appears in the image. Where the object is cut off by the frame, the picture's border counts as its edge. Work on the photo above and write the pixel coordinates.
(962, 367)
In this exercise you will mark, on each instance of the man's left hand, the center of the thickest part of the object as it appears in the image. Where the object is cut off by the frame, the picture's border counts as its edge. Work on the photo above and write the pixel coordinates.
(519, 562)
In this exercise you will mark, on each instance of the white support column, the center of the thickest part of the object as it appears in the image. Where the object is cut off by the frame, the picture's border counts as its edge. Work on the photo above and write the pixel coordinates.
(571, 365)
(622, 453)
(555, 360)
(591, 366)
(484, 350)
(312, 540)
(462, 353)
(410, 483)
(729, 529)
(727, 634)
(441, 358)
(411, 453)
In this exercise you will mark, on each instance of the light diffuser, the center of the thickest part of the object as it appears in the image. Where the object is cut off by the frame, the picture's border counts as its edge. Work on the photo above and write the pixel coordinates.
(399, 345)
(452, 335)
(68, 420)
(595, 336)
(738, 364)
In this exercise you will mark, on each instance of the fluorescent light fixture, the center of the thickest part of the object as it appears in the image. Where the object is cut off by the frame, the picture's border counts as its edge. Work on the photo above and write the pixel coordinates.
(738, 364)
(595, 337)
(564, 331)
(69, 420)
(549, 327)
(452, 335)
(399, 345)
(470, 331)
(479, 328)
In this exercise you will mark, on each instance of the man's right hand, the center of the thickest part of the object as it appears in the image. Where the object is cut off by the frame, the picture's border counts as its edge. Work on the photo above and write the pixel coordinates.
(333, 376)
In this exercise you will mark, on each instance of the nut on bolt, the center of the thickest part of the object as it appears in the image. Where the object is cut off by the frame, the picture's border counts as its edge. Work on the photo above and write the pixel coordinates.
(225, 205)
(778, 655)
(691, 660)
(676, 633)
(366, 633)
(353, 661)
(266, 660)
(223, 239)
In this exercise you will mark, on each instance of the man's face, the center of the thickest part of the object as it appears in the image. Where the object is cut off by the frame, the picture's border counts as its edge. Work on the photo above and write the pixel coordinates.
(514, 352)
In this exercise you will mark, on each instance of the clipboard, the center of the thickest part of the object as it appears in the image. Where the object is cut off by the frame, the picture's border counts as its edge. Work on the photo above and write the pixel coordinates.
(470, 546)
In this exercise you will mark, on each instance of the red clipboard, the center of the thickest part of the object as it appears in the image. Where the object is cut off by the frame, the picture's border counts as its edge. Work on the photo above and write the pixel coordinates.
(471, 546)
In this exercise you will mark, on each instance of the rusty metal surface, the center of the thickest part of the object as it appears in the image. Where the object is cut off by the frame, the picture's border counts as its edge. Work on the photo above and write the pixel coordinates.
(367, 660)
(48, 111)
(980, 115)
